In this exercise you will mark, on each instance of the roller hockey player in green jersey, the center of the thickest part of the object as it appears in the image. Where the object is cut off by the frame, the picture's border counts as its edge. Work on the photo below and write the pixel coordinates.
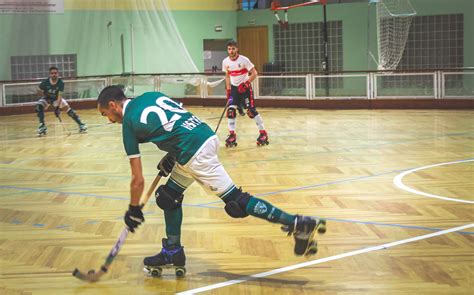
(50, 91)
(191, 148)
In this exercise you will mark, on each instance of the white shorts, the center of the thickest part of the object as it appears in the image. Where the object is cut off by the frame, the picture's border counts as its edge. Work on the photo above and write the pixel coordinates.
(206, 169)
(45, 103)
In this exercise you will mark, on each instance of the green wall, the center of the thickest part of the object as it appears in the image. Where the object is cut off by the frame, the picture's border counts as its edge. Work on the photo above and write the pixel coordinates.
(99, 50)
(354, 17)
(195, 26)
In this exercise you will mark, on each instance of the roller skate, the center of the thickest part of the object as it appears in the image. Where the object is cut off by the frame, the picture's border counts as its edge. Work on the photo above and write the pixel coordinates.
(303, 231)
(169, 257)
(262, 138)
(82, 128)
(42, 130)
(231, 140)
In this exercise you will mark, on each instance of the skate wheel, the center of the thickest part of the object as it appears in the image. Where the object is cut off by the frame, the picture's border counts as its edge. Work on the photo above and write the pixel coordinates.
(156, 272)
(322, 227)
(312, 248)
(180, 272)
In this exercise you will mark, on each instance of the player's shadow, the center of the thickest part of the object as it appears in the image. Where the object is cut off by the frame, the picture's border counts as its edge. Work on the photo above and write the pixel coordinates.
(231, 276)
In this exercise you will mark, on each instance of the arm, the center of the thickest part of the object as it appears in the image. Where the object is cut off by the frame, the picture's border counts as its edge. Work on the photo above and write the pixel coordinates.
(138, 182)
(40, 91)
(252, 75)
(227, 85)
(60, 92)
(58, 98)
(227, 81)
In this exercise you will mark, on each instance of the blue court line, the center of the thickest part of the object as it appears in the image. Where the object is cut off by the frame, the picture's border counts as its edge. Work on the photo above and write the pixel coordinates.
(354, 221)
(56, 188)
(348, 149)
(319, 185)
(60, 192)
(221, 208)
(61, 172)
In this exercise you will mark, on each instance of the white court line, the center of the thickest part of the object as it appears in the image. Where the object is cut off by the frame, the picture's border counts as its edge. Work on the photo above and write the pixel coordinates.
(326, 259)
(397, 181)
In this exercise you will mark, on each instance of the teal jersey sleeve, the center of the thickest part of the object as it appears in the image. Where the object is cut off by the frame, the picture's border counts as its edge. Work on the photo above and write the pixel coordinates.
(60, 85)
(154, 117)
(130, 142)
(42, 85)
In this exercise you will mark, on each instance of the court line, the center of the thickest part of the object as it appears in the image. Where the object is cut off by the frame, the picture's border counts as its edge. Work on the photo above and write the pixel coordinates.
(354, 221)
(397, 181)
(317, 185)
(221, 208)
(322, 260)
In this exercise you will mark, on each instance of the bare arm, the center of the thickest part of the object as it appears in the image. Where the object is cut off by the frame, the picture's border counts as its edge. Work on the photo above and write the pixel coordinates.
(138, 182)
(58, 98)
(253, 74)
(40, 92)
(227, 81)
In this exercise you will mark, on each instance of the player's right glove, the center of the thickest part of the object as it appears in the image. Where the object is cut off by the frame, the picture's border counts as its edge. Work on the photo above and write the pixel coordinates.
(229, 96)
(133, 217)
(57, 112)
(166, 165)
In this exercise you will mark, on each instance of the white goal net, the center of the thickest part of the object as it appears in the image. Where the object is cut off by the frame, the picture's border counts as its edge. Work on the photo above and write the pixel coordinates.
(394, 18)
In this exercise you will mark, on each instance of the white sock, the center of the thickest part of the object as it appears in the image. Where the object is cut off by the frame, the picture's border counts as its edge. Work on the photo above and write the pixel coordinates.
(231, 123)
(259, 121)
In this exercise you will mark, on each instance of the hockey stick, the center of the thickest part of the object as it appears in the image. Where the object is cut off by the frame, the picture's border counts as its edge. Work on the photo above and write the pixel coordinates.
(222, 116)
(62, 125)
(94, 276)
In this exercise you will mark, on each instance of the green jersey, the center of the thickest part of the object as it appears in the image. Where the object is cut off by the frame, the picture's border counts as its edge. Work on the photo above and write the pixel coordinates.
(154, 117)
(51, 90)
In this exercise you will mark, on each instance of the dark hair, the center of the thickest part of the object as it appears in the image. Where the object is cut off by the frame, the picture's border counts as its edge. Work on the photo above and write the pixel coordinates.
(231, 43)
(110, 93)
(53, 68)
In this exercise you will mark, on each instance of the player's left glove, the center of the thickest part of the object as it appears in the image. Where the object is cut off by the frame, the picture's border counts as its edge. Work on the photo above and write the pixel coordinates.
(166, 165)
(244, 86)
(57, 112)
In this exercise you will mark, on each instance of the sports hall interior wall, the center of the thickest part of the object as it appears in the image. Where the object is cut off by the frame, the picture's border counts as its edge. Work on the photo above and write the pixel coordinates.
(82, 30)
(354, 17)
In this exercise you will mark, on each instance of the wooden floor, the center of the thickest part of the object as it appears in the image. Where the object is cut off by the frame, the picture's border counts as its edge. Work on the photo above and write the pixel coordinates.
(396, 187)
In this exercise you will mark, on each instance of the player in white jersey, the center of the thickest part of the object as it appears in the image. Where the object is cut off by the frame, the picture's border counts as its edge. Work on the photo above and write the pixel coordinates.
(239, 74)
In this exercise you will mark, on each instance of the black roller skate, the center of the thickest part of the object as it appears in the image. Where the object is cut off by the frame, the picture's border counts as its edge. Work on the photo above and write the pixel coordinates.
(82, 128)
(42, 130)
(169, 257)
(262, 138)
(231, 140)
(303, 231)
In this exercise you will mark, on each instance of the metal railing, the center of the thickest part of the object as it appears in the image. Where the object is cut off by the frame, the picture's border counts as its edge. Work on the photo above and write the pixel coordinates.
(436, 84)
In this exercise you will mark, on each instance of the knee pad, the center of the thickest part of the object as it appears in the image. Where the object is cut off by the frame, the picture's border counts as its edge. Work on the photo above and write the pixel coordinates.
(252, 112)
(167, 198)
(39, 108)
(231, 114)
(71, 113)
(236, 204)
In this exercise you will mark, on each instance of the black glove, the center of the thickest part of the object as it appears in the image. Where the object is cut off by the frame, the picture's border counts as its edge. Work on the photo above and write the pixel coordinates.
(166, 165)
(134, 217)
(57, 112)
